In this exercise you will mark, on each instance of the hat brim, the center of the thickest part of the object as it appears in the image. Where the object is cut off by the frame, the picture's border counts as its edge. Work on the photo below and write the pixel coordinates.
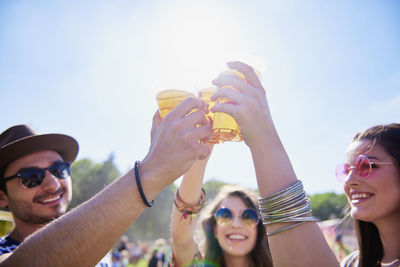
(64, 145)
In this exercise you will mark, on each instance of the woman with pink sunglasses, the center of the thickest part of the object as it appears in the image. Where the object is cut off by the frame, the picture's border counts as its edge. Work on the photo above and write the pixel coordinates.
(371, 182)
(371, 177)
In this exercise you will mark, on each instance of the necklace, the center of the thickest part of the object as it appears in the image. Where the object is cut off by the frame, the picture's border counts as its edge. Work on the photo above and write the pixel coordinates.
(390, 263)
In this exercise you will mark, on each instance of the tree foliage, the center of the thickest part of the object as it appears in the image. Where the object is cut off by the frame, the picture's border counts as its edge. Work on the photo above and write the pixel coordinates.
(89, 178)
(154, 222)
(327, 205)
(212, 188)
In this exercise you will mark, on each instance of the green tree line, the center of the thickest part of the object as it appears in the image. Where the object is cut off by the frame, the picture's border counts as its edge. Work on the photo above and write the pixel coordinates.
(88, 178)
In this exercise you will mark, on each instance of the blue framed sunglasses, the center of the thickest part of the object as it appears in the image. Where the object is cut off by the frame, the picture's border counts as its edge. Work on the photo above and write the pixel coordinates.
(248, 217)
(34, 176)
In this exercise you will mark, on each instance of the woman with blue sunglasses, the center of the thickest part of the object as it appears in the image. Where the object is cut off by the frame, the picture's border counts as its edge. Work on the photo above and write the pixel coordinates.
(233, 234)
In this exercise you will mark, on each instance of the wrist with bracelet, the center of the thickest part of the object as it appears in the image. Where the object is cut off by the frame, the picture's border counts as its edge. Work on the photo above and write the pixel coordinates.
(287, 206)
(139, 185)
(188, 209)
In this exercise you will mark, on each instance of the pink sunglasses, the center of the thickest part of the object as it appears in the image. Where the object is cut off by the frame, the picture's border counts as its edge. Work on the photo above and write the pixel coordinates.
(363, 168)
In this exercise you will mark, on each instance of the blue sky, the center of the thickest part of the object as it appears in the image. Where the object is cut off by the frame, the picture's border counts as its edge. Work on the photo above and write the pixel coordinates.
(91, 69)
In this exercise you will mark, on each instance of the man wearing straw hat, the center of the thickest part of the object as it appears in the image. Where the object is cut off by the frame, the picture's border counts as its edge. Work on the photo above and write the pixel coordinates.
(35, 185)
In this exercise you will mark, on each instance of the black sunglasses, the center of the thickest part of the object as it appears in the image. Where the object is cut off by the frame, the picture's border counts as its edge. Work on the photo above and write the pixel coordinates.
(34, 176)
(249, 216)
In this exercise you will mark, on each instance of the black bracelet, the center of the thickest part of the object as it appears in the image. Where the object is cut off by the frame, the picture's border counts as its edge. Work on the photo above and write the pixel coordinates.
(139, 185)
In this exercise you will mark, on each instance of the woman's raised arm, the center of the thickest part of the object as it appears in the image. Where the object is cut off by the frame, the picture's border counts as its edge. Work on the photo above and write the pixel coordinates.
(303, 244)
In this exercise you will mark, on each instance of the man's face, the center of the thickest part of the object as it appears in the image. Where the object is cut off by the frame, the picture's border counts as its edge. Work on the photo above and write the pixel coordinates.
(43, 203)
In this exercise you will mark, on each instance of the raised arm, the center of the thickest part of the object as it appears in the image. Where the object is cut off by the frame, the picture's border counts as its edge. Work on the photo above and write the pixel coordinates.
(183, 225)
(303, 245)
(84, 235)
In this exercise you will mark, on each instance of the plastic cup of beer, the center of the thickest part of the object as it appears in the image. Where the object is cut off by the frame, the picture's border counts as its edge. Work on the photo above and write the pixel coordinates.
(205, 94)
(225, 127)
(168, 99)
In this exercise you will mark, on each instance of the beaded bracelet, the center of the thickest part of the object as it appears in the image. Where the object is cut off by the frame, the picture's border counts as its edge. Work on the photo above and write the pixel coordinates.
(188, 209)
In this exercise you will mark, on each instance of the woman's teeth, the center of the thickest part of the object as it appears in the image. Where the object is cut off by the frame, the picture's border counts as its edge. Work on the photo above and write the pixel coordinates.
(236, 237)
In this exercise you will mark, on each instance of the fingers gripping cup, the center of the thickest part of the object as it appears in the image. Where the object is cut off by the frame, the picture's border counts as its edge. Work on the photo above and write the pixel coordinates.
(168, 99)
(225, 128)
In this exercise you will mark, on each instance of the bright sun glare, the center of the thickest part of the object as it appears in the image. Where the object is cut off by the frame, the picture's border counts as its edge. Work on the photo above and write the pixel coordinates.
(198, 41)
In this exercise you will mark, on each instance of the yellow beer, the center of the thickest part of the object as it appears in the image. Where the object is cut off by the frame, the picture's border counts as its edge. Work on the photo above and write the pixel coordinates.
(224, 126)
(168, 99)
(205, 95)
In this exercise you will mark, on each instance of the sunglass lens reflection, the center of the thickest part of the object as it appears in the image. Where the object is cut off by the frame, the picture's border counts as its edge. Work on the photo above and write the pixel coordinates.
(342, 170)
(32, 178)
(223, 216)
(60, 170)
(363, 166)
(250, 217)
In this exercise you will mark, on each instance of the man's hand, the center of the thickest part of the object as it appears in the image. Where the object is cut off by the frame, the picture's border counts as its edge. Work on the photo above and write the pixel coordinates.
(176, 141)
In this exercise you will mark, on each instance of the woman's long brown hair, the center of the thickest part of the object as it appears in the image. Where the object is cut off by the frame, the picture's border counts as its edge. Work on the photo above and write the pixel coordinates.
(260, 254)
(369, 241)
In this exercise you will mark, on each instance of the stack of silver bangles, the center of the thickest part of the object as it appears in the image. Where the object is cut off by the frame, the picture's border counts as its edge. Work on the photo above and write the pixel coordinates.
(289, 205)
